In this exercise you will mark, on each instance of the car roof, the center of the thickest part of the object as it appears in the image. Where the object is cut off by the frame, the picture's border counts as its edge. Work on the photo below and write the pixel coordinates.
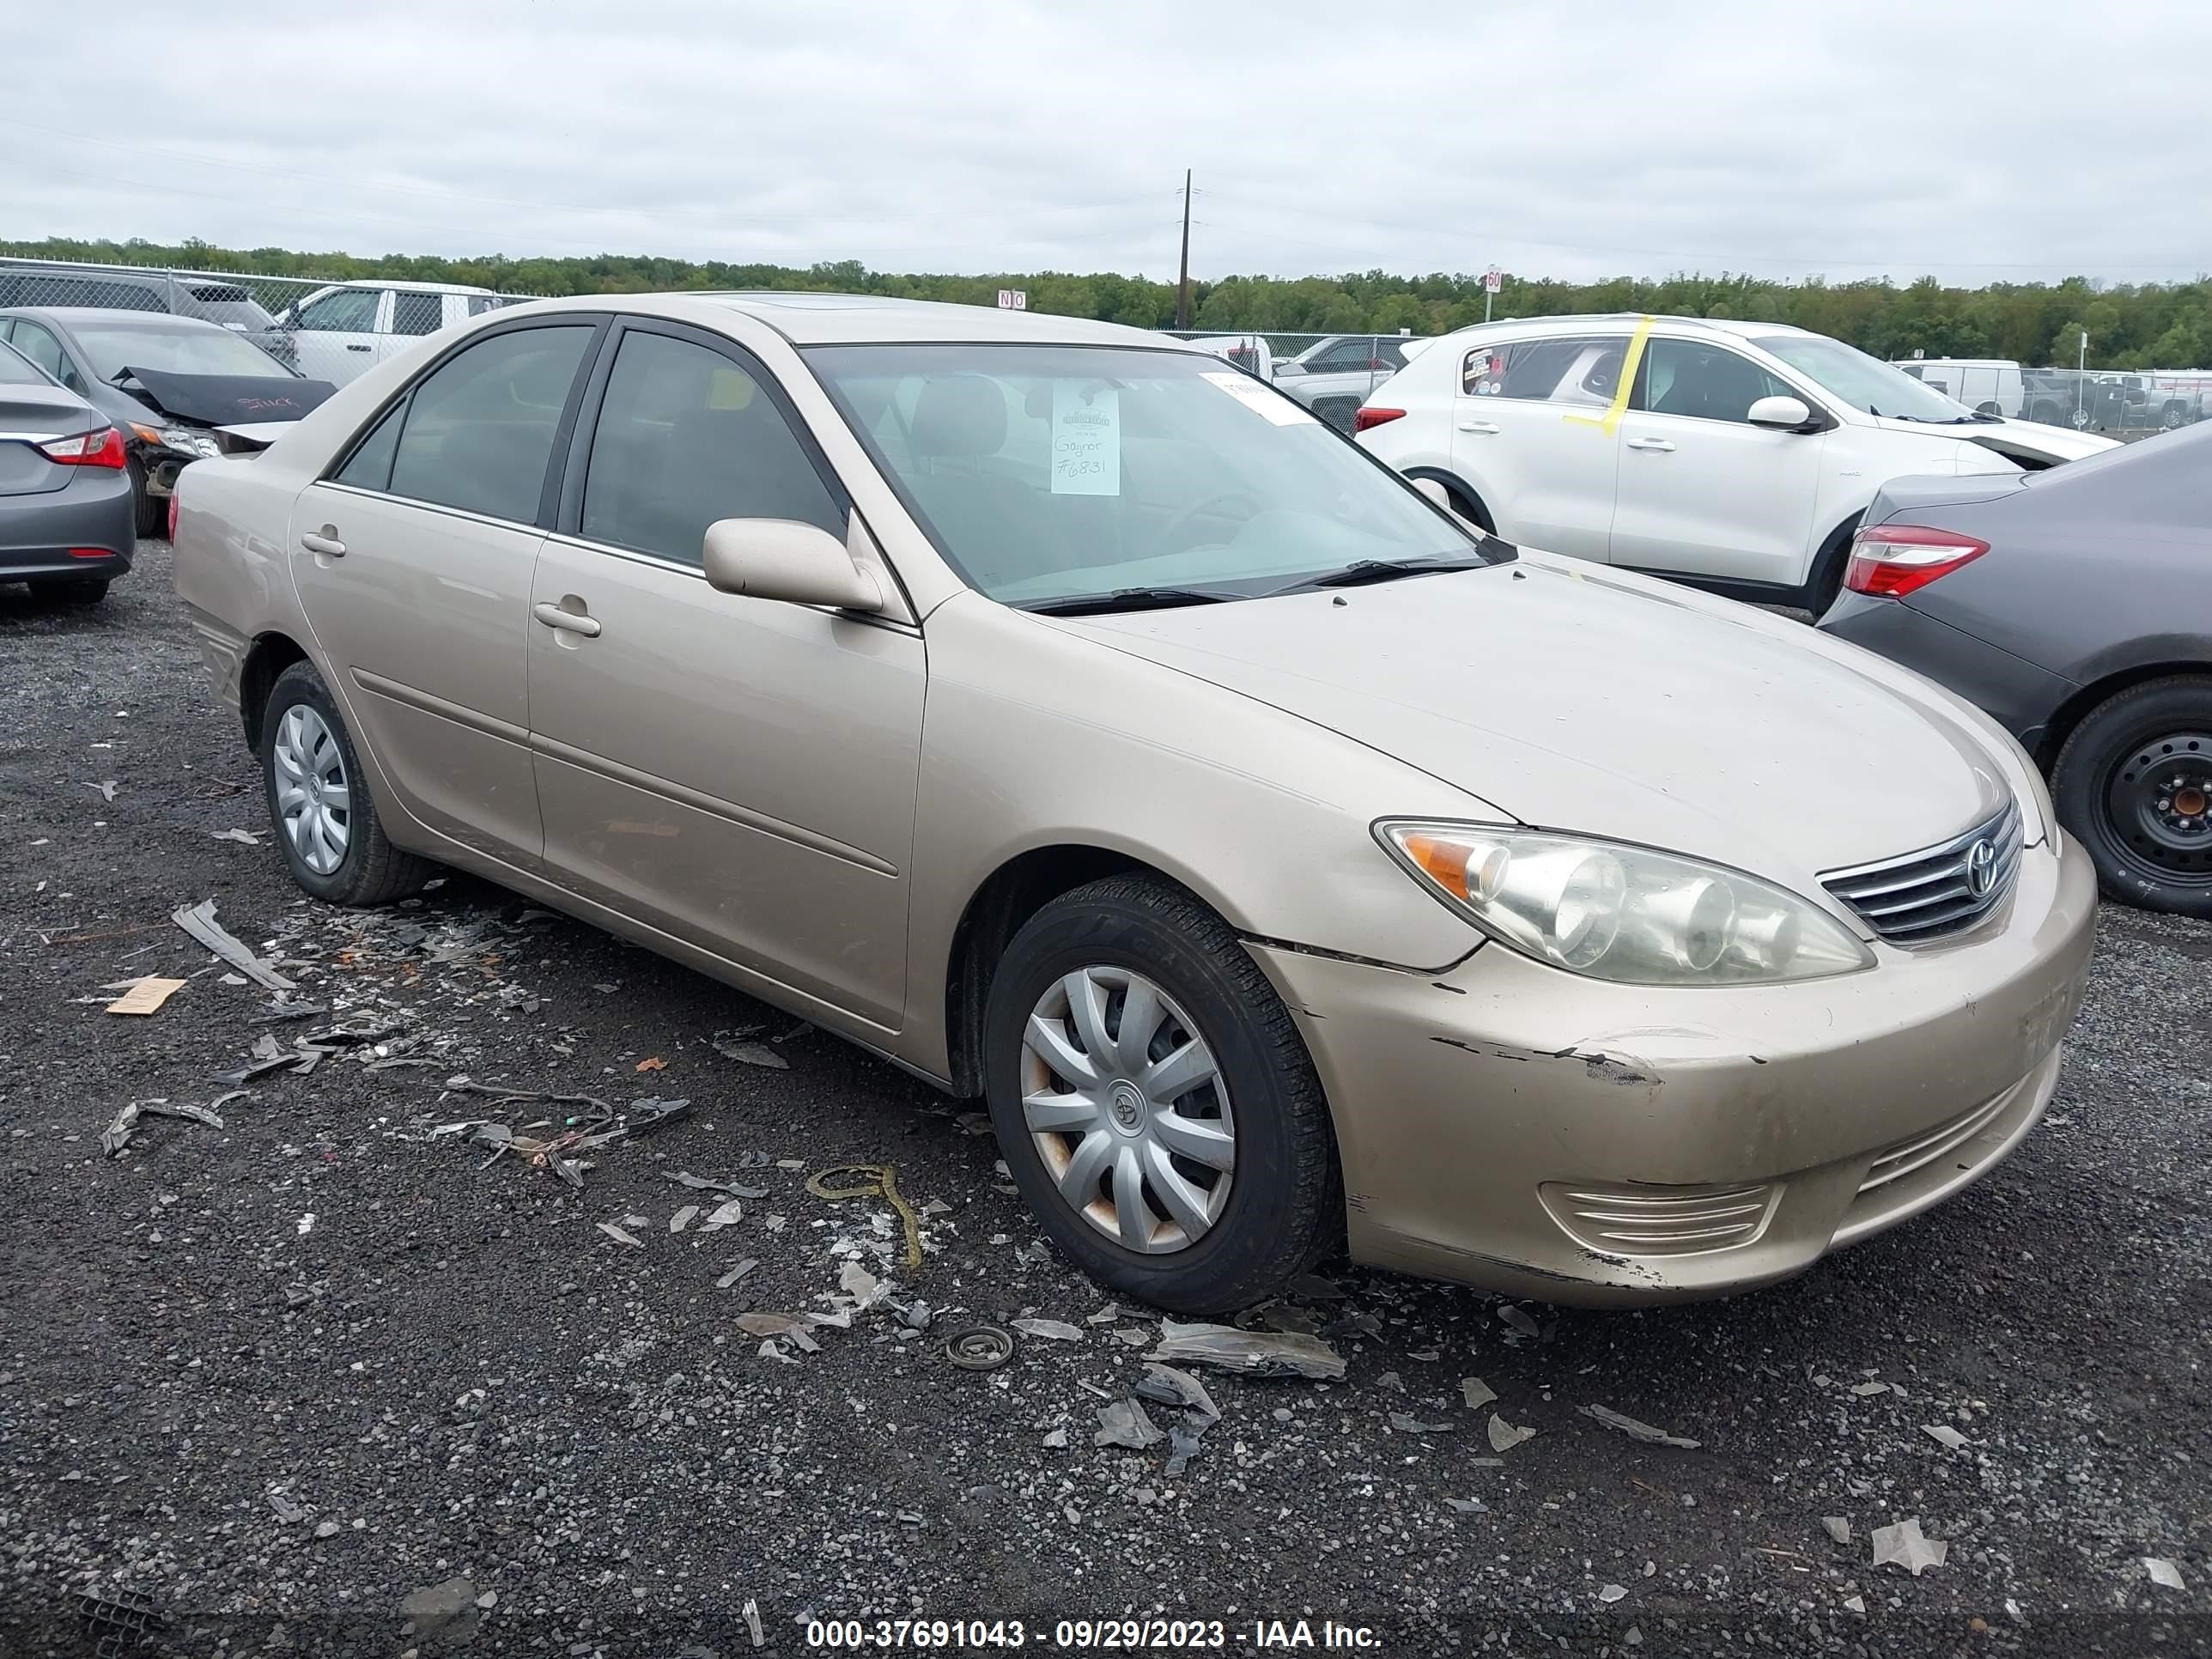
(1582, 323)
(808, 318)
(68, 317)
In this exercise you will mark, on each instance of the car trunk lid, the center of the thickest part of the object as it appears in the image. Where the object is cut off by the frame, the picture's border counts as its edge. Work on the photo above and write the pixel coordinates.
(28, 415)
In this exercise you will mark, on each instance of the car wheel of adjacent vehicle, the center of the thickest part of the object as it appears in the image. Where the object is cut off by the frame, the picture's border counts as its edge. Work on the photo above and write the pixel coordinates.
(71, 590)
(150, 515)
(2133, 784)
(318, 799)
(1155, 1102)
(1826, 578)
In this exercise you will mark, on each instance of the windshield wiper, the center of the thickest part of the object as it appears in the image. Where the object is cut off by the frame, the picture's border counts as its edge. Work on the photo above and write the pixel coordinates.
(1360, 573)
(1127, 599)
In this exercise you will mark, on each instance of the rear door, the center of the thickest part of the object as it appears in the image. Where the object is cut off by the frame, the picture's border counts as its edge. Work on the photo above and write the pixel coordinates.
(414, 314)
(413, 561)
(1702, 490)
(338, 331)
(736, 772)
(1532, 433)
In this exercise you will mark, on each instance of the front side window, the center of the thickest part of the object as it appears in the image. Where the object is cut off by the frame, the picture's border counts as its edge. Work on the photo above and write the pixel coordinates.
(1051, 473)
(1706, 382)
(1867, 384)
(479, 430)
(1579, 369)
(686, 437)
(417, 314)
(348, 311)
(182, 348)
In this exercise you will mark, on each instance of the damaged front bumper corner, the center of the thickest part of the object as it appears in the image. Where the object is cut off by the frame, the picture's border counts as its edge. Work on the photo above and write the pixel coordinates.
(1507, 1125)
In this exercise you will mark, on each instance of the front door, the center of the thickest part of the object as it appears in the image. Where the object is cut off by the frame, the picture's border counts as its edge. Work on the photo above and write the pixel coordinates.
(338, 331)
(736, 772)
(413, 562)
(1703, 492)
(1532, 433)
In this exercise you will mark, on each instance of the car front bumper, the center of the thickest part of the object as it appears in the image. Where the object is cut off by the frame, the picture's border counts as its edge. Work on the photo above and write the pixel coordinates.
(1507, 1125)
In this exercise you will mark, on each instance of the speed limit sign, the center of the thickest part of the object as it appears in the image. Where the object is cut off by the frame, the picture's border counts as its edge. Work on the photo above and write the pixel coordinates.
(1492, 280)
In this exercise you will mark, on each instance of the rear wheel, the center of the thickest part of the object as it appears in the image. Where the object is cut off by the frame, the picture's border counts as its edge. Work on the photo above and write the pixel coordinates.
(71, 590)
(2133, 784)
(1155, 1102)
(318, 799)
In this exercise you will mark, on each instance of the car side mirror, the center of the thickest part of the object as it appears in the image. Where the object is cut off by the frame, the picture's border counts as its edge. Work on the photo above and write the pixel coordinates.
(1785, 414)
(782, 559)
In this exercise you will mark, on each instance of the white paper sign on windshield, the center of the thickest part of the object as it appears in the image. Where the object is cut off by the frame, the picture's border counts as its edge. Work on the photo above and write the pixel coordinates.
(1257, 398)
(1087, 440)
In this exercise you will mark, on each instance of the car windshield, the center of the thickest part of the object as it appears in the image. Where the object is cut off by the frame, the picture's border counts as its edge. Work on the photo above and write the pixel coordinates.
(1865, 383)
(202, 348)
(1052, 473)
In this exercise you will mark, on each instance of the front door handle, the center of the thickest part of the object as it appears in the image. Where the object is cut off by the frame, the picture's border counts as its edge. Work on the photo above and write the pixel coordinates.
(324, 541)
(356, 348)
(1649, 443)
(1487, 427)
(572, 622)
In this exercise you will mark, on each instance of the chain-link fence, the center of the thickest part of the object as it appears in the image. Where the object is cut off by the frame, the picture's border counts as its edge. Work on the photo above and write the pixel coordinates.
(325, 330)
(1332, 374)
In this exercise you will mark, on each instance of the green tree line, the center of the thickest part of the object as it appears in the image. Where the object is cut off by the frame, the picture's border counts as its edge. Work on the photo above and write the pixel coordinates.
(2130, 325)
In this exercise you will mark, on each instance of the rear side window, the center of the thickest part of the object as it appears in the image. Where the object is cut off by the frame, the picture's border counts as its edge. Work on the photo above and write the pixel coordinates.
(16, 370)
(1580, 369)
(479, 430)
(417, 314)
(685, 437)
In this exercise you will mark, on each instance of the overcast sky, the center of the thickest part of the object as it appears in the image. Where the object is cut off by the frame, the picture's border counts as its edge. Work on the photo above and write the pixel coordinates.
(1979, 141)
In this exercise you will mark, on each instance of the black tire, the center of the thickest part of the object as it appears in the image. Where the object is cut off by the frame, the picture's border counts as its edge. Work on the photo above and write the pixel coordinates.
(372, 870)
(70, 590)
(1466, 505)
(1285, 1205)
(1826, 578)
(149, 512)
(2107, 787)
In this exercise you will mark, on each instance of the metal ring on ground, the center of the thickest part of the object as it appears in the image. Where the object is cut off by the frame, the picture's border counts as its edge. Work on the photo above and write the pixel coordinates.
(979, 1347)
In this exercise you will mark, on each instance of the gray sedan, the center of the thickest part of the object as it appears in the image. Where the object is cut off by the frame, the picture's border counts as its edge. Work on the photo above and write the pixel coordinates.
(64, 493)
(2087, 631)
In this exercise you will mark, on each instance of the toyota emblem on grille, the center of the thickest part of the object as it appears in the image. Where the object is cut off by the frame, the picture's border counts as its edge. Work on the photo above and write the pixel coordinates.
(1982, 867)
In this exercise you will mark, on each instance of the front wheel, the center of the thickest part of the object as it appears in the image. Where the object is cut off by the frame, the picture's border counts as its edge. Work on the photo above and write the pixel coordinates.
(1154, 1100)
(2133, 784)
(318, 799)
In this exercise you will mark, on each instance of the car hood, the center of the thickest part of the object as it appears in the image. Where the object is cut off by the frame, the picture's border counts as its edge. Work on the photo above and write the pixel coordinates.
(1568, 702)
(228, 399)
(2030, 442)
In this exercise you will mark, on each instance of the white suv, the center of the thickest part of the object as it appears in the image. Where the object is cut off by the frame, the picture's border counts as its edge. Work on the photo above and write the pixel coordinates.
(1736, 456)
(344, 331)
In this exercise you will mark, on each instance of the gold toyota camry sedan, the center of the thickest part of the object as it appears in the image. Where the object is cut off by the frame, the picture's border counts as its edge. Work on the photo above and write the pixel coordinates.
(1073, 720)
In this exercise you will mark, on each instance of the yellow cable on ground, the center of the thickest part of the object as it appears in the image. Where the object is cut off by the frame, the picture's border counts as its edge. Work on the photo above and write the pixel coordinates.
(881, 1182)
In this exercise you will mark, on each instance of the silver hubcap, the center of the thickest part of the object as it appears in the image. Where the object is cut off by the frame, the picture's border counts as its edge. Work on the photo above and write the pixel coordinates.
(1127, 1109)
(312, 801)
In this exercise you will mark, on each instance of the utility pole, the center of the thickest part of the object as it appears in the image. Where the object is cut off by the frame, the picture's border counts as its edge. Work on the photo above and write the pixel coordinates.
(2080, 377)
(1182, 283)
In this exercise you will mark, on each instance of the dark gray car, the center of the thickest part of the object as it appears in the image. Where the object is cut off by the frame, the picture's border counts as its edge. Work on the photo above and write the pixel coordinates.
(64, 491)
(2075, 606)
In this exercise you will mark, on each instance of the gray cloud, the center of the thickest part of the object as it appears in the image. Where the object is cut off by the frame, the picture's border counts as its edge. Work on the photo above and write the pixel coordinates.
(1976, 140)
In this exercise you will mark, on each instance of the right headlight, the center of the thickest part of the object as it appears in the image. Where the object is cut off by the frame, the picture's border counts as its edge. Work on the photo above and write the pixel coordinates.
(1622, 913)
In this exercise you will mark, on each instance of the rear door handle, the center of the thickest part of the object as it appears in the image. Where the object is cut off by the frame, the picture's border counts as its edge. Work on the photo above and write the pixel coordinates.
(573, 622)
(356, 348)
(1649, 443)
(1488, 427)
(324, 542)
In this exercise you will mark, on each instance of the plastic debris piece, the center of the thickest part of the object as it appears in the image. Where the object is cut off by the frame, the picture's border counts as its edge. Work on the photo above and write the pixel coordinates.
(1838, 1528)
(198, 919)
(306, 1224)
(736, 1274)
(1163, 1385)
(701, 1184)
(145, 996)
(1182, 1446)
(244, 837)
(1256, 1353)
(1406, 1422)
(1518, 1319)
(878, 1180)
(1504, 1436)
(105, 788)
(861, 1286)
(1125, 1423)
(979, 1347)
(750, 1054)
(117, 1135)
(754, 1628)
(1855, 1603)
(1612, 1593)
(1866, 1389)
(684, 1217)
(1312, 1287)
(1058, 1330)
(1636, 1429)
(725, 1215)
(1476, 1392)
(1105, 1316)
(651, 1114)
(655, 1064)
(1944, 1435)
(2163, 1573)
(621, 1235)
(1902, 1545)
(784, 1327)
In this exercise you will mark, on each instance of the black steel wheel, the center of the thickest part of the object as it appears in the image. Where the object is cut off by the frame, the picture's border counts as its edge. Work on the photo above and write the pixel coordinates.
(2134, 783)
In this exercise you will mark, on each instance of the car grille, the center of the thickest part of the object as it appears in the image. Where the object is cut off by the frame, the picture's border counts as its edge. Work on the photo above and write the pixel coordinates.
(1929, 895)
(1662, 1221)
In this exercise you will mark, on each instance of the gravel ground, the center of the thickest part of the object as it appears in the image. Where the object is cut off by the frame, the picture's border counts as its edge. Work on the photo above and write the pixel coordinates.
(264, 1382)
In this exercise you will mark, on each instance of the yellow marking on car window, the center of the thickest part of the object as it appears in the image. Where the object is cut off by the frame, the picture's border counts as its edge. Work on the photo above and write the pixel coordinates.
(1610, 423)
(731, 388)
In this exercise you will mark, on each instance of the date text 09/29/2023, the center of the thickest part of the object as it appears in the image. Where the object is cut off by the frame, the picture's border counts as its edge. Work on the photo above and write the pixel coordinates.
(1084, 1634)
